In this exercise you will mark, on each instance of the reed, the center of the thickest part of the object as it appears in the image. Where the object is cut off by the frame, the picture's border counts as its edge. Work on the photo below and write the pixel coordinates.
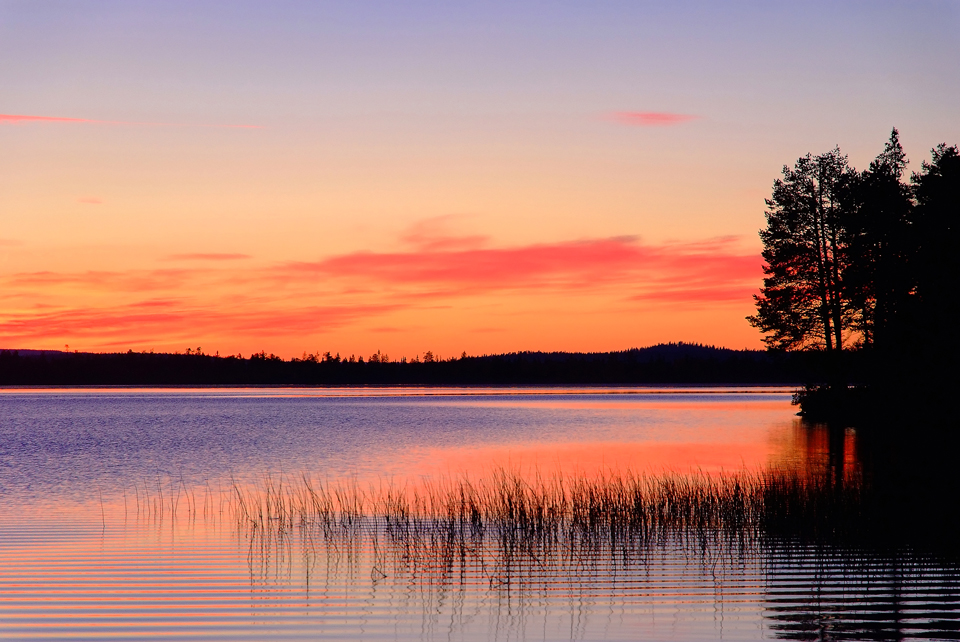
(507, 522)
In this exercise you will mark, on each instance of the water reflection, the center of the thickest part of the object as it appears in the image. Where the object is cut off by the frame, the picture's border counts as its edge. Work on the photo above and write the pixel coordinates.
(821, 450)
(119, 519)
(58, 445)
(836, 594)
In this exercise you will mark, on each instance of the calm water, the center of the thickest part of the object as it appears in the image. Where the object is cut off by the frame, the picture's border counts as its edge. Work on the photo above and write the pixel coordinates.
(85, 552)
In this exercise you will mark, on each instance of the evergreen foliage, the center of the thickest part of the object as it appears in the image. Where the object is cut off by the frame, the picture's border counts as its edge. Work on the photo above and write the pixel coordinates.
(675, 363)
(865, 261)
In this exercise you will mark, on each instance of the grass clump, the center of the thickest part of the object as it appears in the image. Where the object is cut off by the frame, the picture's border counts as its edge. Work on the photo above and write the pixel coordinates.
(507, 522)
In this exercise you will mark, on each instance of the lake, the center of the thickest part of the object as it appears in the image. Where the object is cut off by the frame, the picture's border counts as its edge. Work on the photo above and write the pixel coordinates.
(119, 518)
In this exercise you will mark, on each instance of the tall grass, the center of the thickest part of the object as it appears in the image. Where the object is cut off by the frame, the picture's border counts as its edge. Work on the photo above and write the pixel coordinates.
(511, 525)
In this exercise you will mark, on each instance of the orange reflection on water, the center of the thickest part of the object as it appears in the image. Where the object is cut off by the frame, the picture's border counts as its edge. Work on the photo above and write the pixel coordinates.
(795, 446)
(589, 458)
(632, 404)
(816, 449)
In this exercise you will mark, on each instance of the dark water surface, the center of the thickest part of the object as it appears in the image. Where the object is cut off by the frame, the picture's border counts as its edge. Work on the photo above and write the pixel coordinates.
(116, 520)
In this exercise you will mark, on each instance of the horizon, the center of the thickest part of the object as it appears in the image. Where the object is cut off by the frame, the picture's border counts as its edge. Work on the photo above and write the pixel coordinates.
(484, 179)
(391, 358)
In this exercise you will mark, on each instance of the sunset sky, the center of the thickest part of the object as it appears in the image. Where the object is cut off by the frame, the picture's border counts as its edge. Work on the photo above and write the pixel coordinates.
(403, 177)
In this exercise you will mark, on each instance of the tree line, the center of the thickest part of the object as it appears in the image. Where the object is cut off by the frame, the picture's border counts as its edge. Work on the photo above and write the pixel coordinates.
(864, 260)
(665, 363)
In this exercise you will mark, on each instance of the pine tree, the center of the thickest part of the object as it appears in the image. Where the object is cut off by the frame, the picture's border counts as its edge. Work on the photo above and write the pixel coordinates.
(937, 191)
(802, 303)
(881, 279)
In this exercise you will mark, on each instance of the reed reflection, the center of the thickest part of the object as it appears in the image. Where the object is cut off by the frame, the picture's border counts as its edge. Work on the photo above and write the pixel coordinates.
(795, 530)
(788, 539)
(818, 593)
(804, 531)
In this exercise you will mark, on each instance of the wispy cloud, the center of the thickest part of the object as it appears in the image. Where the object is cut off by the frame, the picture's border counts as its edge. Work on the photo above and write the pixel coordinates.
(164, 322)
(512, 267)
(207, 256)
(223, 297)
(651, 118)
(624, 263)
(694, 295)
(26, 118)
(108, 281)
(90, 200)
(584, 264)
(434, 234)
(23, 118)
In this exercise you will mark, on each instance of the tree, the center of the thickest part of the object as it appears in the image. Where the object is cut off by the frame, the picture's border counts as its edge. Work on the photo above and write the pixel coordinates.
(937, 191)
(880, 279)
(862, 259)
(803, 303)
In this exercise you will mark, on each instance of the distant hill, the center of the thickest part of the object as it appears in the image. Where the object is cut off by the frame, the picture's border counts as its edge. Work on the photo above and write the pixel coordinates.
(668, 363)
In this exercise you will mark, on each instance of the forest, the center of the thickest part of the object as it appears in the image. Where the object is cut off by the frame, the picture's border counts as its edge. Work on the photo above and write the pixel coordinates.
(676, 363)
(861, 267)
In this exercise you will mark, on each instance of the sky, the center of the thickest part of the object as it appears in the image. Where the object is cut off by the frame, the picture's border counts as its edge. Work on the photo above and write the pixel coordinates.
(492, 177)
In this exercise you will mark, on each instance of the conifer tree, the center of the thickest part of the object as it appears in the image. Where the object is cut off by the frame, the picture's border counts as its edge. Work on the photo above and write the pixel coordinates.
(937, 221)
(803, 303)
(881, 238)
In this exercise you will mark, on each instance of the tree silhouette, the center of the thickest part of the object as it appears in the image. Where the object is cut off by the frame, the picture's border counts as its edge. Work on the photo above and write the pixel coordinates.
(864, 260)
(803, 303)
(937, 221)
(880, 279)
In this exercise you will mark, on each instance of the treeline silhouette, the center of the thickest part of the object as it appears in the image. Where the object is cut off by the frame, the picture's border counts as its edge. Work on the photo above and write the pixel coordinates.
(674, 363)
(866, 262)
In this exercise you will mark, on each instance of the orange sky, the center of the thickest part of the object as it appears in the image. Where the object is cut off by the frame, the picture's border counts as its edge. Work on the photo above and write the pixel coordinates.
(435, 291)
(480, 179)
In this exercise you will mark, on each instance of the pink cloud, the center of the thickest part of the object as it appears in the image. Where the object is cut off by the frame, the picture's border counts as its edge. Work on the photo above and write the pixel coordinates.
(573, 264)
(223, 299)
(90, 200)
(10, 243)
(128, 281)
(21, 118)
(25, 118)
(170, 321)
(651, 118)
(720, 294)
(207, 256)
(496, 267)
(420, 275)
(433, 234)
